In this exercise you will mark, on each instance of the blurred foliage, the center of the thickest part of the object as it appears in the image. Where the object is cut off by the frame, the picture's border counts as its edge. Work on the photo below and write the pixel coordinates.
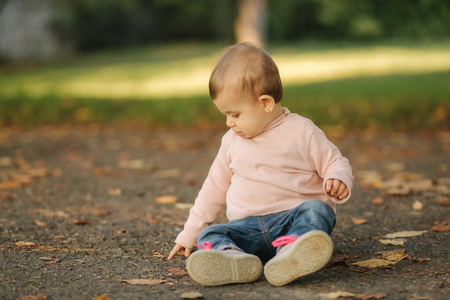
(95, 24)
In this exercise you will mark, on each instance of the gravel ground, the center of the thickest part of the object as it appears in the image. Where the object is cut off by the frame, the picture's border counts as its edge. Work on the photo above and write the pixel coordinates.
(83, 213)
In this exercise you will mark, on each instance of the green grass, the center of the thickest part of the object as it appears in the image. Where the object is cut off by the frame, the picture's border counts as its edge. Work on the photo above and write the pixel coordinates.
(356, 86)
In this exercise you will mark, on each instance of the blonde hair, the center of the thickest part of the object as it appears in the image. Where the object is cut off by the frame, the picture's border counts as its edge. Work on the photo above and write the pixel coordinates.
(249, 69)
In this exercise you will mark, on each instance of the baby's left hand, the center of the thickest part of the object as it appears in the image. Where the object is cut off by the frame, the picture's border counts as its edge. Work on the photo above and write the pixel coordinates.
(337, 188)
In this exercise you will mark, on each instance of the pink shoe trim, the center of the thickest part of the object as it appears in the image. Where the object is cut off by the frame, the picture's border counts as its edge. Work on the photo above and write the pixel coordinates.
(283, 240)
(206, 245)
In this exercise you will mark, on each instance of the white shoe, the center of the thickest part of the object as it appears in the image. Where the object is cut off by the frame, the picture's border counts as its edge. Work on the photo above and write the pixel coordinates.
(306, 255)
(213, 267)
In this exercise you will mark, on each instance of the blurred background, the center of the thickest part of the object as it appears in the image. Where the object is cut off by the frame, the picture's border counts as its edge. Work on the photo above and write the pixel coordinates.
(344, 64)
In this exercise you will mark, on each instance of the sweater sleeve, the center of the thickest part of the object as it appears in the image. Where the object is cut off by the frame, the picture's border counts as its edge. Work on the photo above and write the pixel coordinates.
(210, 200)
(329, 163)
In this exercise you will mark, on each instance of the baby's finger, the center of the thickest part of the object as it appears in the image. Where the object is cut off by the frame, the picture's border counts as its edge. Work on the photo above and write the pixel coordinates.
(328, 185)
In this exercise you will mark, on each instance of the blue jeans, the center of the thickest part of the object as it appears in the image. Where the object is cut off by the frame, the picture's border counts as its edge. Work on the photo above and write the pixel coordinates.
(255, 235)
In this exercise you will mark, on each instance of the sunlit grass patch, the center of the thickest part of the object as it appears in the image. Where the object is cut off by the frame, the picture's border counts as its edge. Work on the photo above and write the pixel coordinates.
(167, 84)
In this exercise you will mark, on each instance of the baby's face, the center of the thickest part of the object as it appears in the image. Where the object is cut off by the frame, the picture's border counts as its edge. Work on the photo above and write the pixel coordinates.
(245, 115)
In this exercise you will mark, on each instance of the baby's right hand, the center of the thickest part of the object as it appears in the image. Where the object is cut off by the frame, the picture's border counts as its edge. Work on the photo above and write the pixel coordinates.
(176, 249)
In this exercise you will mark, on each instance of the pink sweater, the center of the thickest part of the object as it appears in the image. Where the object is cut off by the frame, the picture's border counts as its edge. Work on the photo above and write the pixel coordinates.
(284, 166)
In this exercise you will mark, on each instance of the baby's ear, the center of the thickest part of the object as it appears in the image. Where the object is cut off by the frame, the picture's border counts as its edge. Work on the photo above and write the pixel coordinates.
(267, 102)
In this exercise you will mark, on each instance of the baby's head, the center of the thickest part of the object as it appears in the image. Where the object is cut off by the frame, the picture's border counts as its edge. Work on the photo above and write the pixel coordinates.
(246, 69)
(245, 86)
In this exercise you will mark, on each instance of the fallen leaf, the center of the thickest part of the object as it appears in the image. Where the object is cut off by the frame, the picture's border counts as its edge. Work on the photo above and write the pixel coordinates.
(405, 234)
(148, 281)
(338, 294)
(134, 164)
(393, 255)
(6, 196)
(359, 221)
(395, 242)
(40, 223)
(417, 259)
(50, 213)
(444, 201)
(102, 297)
(114, 192)
(26, 245)
(378, 200)
(184, 205)
(123, 231)
(10, 185)
(38, 172)
(170, 173)
(417, 205)
(441, 228)
(81, 222)
(191, 295)
(167, 199)
(177, 271)
(373, 263)
(370, 296)
(34, 297)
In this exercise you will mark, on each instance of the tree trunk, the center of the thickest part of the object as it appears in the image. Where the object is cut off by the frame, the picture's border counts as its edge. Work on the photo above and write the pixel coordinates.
(250, 25)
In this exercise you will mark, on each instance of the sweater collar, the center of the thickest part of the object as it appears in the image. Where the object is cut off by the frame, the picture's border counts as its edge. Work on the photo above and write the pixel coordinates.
(278, 121)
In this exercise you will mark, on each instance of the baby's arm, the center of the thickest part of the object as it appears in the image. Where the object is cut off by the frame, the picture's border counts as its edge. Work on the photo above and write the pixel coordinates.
(177, 248)
(337, 188)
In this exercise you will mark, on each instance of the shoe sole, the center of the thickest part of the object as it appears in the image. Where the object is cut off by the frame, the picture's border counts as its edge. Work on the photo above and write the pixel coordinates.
(213, 267)
(308, 254)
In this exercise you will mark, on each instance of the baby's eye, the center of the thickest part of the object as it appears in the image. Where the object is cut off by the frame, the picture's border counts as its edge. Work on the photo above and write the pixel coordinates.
(235, 115)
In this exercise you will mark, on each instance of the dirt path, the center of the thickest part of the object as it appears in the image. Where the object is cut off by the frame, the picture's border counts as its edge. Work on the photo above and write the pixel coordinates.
(80, 216)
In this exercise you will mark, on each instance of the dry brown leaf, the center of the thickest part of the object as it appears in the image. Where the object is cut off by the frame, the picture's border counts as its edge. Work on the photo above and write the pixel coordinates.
(402, 234)
(441, 228)
(148, 281)
(444, 201)
(373, 263)
(26, 245)
(359, 221)
(371, 296)
(10, 185)
(393, 255)
(395, 242)
(40, 223)
(378, 200)
(338, 294)
(417, 259)
(6, 196)
(34, 297)
(177, 271)
(167, 199)
(81, 222)
(191, 295)
(101, 297)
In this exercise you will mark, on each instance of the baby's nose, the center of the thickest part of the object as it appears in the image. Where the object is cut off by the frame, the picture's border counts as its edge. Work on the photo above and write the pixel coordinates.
(230, 122)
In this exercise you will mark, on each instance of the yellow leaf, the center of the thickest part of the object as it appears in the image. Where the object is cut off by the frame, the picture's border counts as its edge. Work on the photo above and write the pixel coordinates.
(373, 263)
(359, 221)
(191, 295)
(395, 242)
(102, 297)
(148, 281)
(338, 294)
(401, 234)
(167, 199)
